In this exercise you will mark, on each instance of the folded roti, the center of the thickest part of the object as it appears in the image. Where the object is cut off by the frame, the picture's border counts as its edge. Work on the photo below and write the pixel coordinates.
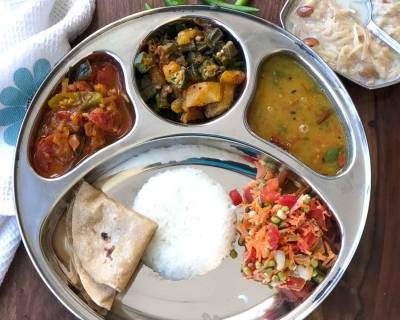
(100, 294)
(63, 250)
(108, 238)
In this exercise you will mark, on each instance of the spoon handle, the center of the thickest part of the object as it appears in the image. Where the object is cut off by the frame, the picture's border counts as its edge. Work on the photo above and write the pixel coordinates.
(382, 35)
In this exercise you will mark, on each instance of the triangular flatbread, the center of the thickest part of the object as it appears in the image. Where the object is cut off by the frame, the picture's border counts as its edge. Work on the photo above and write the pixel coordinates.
(100, 294)
(108, 238)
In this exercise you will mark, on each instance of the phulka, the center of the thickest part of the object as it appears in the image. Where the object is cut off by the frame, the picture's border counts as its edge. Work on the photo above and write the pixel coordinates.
(108, 238)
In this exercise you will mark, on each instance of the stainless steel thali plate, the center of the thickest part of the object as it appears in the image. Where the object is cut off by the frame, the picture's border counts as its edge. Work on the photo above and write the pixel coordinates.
(218, 147)
(291, 5)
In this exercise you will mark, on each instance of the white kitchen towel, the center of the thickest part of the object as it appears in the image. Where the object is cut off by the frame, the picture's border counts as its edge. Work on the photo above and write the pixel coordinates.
(34, 35)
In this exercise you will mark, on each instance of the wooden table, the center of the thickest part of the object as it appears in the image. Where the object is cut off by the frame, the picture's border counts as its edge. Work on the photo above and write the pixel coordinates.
(369, 288)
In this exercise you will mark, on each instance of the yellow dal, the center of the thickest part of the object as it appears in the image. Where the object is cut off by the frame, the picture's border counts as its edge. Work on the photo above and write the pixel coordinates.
(290, 110)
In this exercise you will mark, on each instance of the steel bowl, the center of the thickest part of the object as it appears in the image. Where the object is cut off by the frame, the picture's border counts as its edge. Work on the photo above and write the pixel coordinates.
(288, 8)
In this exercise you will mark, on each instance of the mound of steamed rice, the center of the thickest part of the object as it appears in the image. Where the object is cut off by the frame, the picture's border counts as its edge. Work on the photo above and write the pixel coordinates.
(196, 223)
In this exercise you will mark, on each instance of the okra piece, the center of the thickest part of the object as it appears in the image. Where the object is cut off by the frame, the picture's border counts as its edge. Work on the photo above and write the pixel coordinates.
(196, 58)
(148, 88)
(175, 74)
(188, 47)
(229, 49)
(161, 101)
(193, 73)
(209, 69)
(213, 36)
(201, 46)
(169, 49)
(144, 61)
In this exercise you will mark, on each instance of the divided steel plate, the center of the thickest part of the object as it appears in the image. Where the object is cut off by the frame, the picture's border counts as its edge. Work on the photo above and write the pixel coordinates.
(218, 147)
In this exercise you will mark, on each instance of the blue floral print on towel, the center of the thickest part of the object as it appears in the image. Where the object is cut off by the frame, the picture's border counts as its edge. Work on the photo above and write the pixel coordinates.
(16, 99)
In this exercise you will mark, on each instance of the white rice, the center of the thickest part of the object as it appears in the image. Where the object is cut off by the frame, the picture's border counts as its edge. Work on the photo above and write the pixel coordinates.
(196, 222)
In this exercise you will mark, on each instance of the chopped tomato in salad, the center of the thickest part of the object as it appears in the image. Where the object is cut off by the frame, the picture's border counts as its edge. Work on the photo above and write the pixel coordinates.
(89, 111)
(284, 234)
(235, 197)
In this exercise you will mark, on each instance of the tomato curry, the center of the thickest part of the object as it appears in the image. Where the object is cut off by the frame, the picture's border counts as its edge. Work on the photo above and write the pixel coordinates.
(88, 111)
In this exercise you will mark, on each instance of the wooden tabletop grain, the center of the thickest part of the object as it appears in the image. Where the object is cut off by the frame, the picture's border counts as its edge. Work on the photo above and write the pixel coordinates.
(370, 287)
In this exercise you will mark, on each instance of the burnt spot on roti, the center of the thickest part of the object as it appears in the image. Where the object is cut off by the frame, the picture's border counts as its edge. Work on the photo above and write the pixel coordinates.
(109, 252)
(104, 236)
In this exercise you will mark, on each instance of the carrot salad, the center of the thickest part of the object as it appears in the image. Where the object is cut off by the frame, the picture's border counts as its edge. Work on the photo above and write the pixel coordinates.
(285, 235)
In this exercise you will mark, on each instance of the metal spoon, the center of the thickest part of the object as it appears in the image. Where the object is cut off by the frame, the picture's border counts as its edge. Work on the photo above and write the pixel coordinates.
(363, 9)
